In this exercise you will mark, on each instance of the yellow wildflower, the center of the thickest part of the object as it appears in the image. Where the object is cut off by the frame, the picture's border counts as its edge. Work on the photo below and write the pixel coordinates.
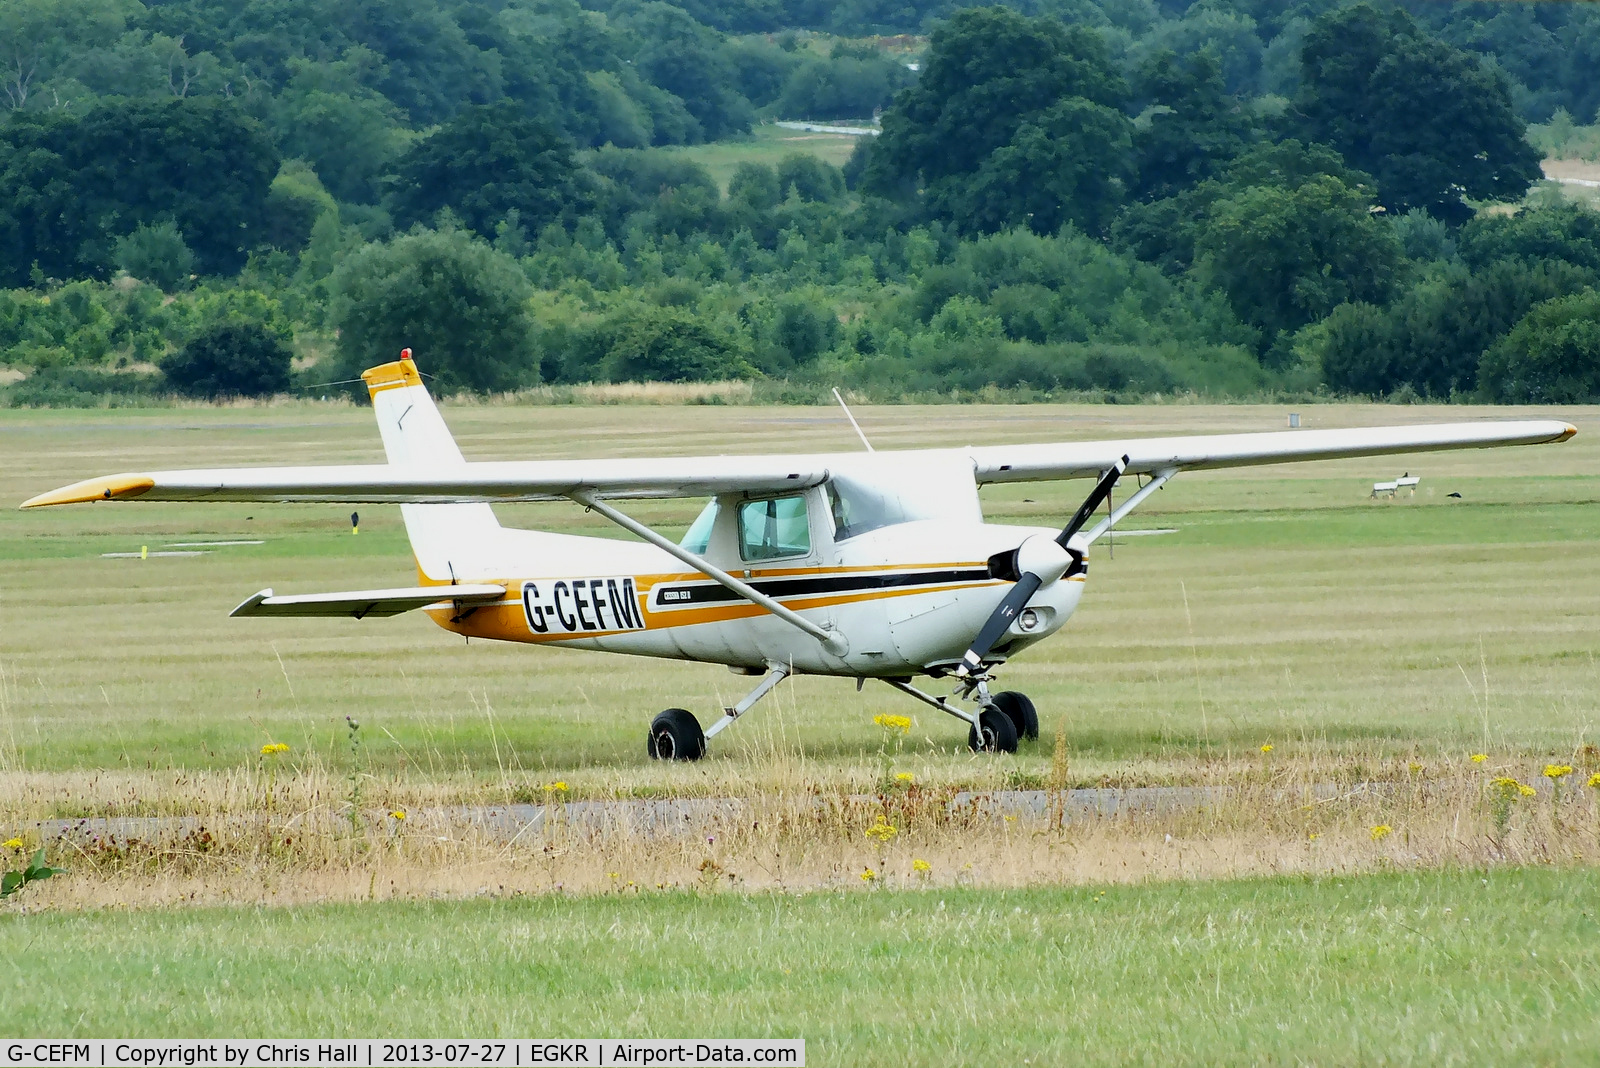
(1313, 836)
(1557, 771)
(1414, 768)
(13, 843)
(1594, 780)
(893, 723)
(274, 748)
(904, 776)
(868, 875)
(1479, 758)
(398, 814)
(920, 865)
(1381, 831)
(1267, 748)
(1509, 787)
(555, 788)
(883, 830)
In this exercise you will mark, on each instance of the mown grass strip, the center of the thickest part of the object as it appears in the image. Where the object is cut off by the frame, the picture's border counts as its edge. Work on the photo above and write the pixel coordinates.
(1444, 967)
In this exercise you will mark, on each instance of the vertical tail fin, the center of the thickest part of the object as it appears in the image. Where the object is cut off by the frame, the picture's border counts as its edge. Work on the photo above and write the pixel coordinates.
(448, 540)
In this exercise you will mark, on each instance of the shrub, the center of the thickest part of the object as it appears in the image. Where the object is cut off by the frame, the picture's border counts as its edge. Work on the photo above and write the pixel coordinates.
(231, 359)
(462, 306)
(156, 254)
(1551, 357)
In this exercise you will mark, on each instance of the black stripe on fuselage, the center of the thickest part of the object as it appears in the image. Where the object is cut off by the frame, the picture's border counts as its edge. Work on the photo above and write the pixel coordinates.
(809, 585)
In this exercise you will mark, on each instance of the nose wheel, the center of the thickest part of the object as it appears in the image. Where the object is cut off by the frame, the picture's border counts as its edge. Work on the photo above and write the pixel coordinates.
(995, 725)
(993, 733)
(1020, 711)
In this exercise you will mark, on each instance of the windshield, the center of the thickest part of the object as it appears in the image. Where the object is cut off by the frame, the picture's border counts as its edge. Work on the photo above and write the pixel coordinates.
(883, 491)
(698, 539)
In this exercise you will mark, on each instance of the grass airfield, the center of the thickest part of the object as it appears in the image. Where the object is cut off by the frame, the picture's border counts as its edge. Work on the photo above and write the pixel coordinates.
(1364, 641)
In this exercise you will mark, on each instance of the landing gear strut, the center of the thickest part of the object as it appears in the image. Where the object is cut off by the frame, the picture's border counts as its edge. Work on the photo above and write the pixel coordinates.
(995, 725)
(676, 735)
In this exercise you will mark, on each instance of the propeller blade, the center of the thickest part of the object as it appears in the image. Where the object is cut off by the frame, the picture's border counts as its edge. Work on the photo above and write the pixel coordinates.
(1029, 581)
(1091, 504)
(998, 622)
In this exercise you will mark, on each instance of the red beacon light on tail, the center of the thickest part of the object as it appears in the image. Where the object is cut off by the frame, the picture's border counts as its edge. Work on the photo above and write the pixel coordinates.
(405, 354)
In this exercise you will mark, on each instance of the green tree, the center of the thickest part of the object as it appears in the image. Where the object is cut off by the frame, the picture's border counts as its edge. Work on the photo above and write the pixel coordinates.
(648, 344)
(1287, 257)
(295, 202)
(803, 175)
(231, 359)
(755, 185)
(156, 254)
(1551, 357)
(989, 72)
(37, 35)
(1356, 347)
(458, 304)
(679, 55)
(1431, 123)
(486, 162)
(328, 116)
(1435, 336)
(1193, 128)
(1071, 164)
(1566, 232)
(430, 67)
(73, 184)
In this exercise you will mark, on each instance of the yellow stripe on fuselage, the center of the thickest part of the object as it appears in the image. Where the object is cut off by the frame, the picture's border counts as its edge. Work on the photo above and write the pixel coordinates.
(506, 621)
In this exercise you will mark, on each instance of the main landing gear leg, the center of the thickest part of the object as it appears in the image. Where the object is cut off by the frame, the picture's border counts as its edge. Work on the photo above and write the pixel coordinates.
(776, 673)
(989, 728)
(675, 734)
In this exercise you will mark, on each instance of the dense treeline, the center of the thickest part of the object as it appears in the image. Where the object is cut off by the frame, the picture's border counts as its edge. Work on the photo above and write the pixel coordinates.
(1101, 197)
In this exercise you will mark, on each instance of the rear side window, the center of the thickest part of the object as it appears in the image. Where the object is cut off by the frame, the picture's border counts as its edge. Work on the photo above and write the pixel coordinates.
(774, 528)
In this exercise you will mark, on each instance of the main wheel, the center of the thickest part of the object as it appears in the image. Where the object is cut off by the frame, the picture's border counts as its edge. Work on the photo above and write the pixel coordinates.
(675, 735)
(1020, 711)
(993, 734)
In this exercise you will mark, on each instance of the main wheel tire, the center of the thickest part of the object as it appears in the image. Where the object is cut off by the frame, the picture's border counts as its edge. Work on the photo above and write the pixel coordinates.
(993, 734)
(1020, 711)
(676, 735)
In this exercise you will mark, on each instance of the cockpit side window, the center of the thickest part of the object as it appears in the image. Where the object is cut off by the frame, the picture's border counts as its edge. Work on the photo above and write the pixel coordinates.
(774, 528)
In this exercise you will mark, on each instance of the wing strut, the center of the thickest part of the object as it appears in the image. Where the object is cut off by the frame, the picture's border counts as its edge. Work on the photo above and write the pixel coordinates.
(832, 642)
(1161, 478)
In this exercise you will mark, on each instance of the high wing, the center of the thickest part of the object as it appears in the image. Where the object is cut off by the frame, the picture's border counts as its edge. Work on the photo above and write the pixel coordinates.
(532, 480)
(1146, 456)
(539, 480)
(363, 603)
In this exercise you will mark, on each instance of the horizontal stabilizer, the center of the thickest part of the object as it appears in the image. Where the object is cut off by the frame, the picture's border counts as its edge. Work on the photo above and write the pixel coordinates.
(363, 603)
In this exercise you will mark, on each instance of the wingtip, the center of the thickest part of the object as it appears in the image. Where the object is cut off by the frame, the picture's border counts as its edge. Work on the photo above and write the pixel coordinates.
(1568, 432)
(111, 488)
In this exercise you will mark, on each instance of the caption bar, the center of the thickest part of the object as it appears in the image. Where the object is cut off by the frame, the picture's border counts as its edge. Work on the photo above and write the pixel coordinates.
(381, 1053)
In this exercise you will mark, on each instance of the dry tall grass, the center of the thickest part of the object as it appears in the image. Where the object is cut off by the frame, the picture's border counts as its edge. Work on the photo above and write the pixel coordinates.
(271, 835)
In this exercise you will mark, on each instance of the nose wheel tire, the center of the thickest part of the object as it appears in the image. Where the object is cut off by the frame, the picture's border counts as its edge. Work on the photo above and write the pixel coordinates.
(1020, 711)
(676, 735)
(993, 734)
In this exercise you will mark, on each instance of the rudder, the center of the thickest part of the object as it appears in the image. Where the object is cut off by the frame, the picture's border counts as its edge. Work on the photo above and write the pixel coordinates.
(448, 540)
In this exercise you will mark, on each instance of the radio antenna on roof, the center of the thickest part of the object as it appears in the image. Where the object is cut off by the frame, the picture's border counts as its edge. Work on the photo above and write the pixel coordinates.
(847, 415)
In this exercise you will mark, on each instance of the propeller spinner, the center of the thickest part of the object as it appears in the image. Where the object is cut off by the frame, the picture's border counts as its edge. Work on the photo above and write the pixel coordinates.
(1035, 563)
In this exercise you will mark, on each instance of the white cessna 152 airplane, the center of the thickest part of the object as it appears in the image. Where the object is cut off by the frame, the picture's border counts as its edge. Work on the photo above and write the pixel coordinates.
(868, 565)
